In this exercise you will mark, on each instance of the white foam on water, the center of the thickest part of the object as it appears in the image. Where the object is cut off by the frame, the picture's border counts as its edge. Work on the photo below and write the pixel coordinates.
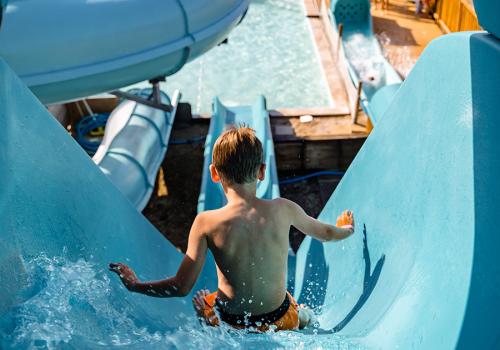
(73, 303)
(363, 54)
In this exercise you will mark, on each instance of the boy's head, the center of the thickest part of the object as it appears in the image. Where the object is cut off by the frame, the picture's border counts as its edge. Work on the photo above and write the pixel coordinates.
(237, 157)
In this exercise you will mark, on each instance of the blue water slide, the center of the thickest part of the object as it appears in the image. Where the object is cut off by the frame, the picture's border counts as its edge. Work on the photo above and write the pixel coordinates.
(365, 60)
(421, 271)
(60, 214)
(255, 116)
(134, 144)
(65, 50)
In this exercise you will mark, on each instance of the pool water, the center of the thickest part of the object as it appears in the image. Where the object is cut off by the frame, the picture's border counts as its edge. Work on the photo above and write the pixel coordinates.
(271, 53)
(75, 304)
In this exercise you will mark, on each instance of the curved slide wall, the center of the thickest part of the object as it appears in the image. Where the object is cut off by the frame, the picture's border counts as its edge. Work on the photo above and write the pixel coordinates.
(66, 50)
(55, 202)
(421, 271)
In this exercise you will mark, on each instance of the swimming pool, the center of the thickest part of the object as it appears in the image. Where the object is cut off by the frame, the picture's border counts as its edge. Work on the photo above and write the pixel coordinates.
(271, 53)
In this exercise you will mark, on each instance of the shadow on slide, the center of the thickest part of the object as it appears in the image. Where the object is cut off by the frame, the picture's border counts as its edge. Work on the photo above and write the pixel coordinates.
(369, 283)
(425, 184)
(313, 294)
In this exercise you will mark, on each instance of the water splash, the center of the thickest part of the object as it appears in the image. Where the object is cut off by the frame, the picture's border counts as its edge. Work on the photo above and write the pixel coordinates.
(364, 56)
(71, 301)
(74, 304)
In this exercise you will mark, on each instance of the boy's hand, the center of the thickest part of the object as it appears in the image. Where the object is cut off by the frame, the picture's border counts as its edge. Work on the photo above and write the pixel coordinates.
(126, 274)
(346, 221)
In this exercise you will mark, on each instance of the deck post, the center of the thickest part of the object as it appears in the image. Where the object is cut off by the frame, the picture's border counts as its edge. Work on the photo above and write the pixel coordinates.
(355, 108)
(339, 39)
(460, 9)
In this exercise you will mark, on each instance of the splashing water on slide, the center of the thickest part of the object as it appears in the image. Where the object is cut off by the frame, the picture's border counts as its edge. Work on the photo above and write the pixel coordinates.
(61, 292)
(368, 65)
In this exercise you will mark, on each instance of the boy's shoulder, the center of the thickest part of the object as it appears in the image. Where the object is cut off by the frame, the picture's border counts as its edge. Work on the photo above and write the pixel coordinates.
(220, 215)
(286, 207)
(282, 205)
(281, 202)
(210, 219)
(208, 216)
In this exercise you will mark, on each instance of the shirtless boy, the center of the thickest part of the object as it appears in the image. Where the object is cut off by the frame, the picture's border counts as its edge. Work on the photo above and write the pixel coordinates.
(249, 241)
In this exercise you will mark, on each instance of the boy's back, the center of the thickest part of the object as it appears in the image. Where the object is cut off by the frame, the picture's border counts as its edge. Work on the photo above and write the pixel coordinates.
(249, 241)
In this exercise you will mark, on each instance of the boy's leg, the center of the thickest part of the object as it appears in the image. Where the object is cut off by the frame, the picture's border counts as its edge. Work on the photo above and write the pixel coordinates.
(306, 316)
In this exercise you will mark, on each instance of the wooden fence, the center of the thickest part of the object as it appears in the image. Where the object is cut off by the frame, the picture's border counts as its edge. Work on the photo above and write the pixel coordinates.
(456, 15)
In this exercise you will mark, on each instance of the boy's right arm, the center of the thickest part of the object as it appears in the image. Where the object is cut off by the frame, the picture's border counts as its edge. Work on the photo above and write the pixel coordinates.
(187, 274)
(315, 228)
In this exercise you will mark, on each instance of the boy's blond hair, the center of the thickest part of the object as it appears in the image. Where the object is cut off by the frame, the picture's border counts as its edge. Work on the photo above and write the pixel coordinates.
(238, 155)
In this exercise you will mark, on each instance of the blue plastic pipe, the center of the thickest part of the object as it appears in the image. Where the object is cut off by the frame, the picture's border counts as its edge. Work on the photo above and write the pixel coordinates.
(308, 176)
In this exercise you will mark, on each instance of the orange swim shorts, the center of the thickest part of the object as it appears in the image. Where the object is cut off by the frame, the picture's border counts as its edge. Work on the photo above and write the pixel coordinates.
(286, 317)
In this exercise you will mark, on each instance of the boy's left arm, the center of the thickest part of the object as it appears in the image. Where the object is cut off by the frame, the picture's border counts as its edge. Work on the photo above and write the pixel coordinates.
(187, 274)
